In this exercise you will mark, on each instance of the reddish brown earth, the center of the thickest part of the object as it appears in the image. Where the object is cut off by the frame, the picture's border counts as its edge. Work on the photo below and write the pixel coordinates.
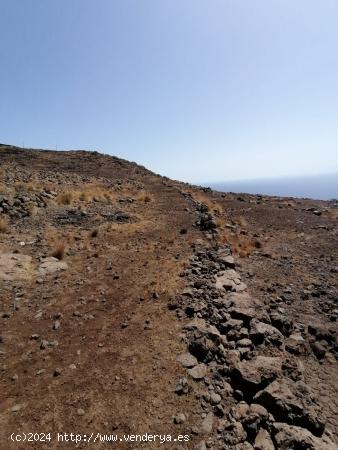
(92, 348)
(298, 260)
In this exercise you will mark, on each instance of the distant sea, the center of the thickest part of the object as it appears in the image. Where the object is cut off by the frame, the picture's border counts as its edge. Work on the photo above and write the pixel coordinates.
(319, 187)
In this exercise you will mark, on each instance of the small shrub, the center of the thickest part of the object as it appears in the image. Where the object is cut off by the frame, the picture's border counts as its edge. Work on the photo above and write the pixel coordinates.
(32, 210)
(94, 193)
(94, 233)
(65, 198)
(145, 197)
(258, 243)
(219, 222)
(84, 197)
(19, 186)
(59, 251)
(242, 222)
(241, 245)
(3, 224)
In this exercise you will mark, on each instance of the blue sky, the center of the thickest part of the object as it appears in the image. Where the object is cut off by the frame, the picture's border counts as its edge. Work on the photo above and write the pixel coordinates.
(197, 90)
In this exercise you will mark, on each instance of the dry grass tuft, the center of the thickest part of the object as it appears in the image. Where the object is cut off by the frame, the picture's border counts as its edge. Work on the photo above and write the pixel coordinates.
(214, 206)
(242, 222)
(87, 193)
(95, 192)
(4, 189)
(31, 186)
(50, 186)
(84, 197)
(59, 251)
(333, 214)
(220, 222)
(65, 198)
(91, 192)
(4, 224)
(94, 233)
(129, 228)
(32, 210)
(19, 186)
(145, 197)
(241, 245)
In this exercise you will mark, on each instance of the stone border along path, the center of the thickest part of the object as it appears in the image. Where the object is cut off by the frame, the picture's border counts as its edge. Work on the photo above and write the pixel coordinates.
(251, 389)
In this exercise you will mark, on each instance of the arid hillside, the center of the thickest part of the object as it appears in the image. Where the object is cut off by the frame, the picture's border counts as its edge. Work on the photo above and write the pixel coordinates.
(131, 304)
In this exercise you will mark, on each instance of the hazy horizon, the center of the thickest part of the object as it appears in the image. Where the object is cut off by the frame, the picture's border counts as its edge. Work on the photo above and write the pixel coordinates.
(317, 187)
(269, 178)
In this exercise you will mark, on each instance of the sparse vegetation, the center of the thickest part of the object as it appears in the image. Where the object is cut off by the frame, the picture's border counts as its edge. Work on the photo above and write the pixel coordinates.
(242, 245)
(95, 192)
(334, 214)
(4, 224)
(87, 193)
(65, 198)
(59, 250)
(242, 222)
(94, 233)
(19, 186)
(84, 197)
(219, 221)
(115, 252)
(145, 197)
(212, 204)
(32, 210)
(258, 243)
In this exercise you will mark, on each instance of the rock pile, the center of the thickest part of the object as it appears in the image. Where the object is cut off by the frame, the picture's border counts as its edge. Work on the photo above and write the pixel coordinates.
(243, 357)
(20, 205)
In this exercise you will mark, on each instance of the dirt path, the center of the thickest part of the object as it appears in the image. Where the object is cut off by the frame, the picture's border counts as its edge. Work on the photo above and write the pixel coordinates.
(113, 367)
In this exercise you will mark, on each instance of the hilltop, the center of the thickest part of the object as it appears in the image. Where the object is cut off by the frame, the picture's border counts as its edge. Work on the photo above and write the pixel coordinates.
(131, 304)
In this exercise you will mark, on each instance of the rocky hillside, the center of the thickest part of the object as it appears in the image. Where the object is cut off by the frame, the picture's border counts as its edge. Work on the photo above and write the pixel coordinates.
(134, 304)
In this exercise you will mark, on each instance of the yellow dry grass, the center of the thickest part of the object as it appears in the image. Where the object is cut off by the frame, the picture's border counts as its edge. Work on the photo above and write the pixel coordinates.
(33, 185)
(57, 242)
(213, 205)
(59, 250)
(241, 244)
(4, 224)
(130, 227)
(333, 214)
(86, 194)
(145, 197)
(242, 222)
(32, 210)
(5, 189)
(65, 198)
(220, 222)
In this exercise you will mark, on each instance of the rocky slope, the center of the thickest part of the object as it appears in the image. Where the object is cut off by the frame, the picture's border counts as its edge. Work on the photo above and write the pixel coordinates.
(134, 304)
